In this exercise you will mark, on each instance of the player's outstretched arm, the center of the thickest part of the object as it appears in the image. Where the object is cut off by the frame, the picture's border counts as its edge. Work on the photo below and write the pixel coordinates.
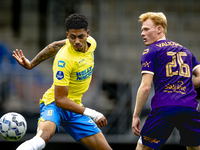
(44, 54)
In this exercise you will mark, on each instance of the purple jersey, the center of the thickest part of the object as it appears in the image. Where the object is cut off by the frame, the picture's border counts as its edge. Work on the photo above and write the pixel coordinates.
(172, 66)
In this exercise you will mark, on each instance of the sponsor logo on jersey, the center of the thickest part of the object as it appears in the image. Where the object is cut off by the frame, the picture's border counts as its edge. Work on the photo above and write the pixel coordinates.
(82, 63)
(61, 63)
(50, 112)
(146, 64)
(59, 75)
(176, 87)
(151, 140)
(145, 51)
(84, 74)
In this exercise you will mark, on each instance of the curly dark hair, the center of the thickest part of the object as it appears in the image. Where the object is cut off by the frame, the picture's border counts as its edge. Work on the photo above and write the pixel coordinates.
(76, 21)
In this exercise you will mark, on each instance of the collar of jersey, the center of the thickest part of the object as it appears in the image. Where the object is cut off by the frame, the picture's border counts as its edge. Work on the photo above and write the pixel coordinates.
(89, 49)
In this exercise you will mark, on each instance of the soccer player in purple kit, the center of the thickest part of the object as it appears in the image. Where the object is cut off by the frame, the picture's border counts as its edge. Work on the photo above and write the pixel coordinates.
(171, 67)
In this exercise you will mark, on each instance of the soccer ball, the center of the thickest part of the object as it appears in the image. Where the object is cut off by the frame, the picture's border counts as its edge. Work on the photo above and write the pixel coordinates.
(12, 126)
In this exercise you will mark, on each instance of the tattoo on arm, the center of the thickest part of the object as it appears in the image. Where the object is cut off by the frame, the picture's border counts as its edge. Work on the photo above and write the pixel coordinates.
(47, 52)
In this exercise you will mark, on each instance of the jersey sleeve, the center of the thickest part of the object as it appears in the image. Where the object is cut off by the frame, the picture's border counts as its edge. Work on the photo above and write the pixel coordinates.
(148, 60)
(195, 63)
(93, 43)
(62, 71)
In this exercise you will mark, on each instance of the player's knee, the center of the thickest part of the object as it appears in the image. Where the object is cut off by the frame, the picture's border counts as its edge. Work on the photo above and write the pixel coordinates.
(142, 147)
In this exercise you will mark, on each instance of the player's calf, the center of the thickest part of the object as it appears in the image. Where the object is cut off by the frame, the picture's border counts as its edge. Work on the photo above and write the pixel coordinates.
(36, 143)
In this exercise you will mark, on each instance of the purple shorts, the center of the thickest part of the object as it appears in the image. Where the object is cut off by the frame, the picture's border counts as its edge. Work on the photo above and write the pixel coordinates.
(161, 122)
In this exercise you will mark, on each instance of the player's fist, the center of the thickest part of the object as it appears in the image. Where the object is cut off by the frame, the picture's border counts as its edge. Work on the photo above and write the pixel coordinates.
(97, 117)
(102, 122)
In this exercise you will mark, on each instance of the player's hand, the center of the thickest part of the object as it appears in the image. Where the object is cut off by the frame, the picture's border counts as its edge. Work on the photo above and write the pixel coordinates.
(102, 122)
(96, 116)
(136, 126)
(21, 59)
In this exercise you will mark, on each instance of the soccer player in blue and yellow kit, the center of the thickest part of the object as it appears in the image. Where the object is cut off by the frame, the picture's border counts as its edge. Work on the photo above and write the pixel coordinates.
(170, 66)
(61, 105)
